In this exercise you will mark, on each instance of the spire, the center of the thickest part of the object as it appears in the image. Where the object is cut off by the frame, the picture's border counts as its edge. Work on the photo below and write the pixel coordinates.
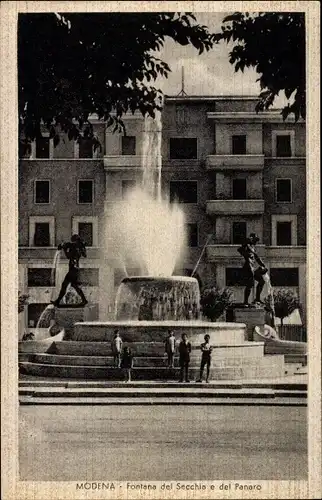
(182, 92)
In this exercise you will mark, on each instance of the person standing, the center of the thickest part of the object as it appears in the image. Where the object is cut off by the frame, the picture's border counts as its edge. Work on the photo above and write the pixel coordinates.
(127, 362)
(250, 275)
(184, 358)
(117, 343)
(74, 250)
(206, 350)
(170, 347)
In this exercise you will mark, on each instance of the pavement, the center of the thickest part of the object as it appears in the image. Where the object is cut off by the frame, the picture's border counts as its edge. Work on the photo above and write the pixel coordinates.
(164, 443)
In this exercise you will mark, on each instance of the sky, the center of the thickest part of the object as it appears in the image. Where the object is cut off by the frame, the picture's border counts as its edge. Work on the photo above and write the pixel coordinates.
(209, 73)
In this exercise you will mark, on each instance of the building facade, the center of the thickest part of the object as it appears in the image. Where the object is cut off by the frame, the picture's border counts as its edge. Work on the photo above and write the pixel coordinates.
(233, 172)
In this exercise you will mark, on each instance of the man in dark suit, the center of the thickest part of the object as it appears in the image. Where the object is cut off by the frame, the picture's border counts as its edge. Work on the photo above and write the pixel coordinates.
(184, 358)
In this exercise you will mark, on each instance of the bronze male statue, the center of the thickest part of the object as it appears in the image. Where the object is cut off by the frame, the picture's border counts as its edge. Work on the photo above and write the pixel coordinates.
(250, 274)
(74, 250)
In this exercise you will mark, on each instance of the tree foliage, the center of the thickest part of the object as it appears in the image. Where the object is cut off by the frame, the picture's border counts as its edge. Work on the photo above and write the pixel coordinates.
(214, 302)
(73, 65)
(285, 302)
(274, 44)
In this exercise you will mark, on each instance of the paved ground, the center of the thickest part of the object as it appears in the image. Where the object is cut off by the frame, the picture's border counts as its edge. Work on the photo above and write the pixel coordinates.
(68, 443)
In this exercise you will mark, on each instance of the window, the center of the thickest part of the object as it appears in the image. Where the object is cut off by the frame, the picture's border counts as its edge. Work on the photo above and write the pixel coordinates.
(85, 148)
(284, 233)
(283, 145)
(87, 228)
(284, 276)
(42, 234)
(89, 276)
(34, 312)
(41, 276)
(183, 148)
(234, 276)
(192, 235)
(42, 147)
(42, 192)
(85, 231)
(283, 190)
(284, 230)
(238, 144)
(128, 145)
(24, 149)
(42, 231)
(85, 191)
(184, 191)
(239, 232)
(127, 186)
(239, 189)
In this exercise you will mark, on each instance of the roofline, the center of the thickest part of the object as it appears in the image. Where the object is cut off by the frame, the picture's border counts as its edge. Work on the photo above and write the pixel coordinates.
(211, 98)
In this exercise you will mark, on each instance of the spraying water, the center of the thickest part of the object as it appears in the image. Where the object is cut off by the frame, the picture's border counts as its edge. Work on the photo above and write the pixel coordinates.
(56, 262)
(270, 294)
(146, 229)
(48, 313)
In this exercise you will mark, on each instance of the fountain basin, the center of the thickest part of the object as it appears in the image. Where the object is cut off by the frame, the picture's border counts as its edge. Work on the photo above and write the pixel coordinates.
(161, 298)
(156, 331)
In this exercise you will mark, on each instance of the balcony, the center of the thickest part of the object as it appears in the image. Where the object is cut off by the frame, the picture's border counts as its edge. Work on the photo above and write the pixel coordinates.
(270, 254)
(235, 162)
(228, 252)
(116, 162)
(292, 253)
(48, 253)
(235, 207)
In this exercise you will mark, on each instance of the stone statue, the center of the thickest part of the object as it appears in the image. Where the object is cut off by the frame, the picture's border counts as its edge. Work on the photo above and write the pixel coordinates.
(250, 274)
(74, 250)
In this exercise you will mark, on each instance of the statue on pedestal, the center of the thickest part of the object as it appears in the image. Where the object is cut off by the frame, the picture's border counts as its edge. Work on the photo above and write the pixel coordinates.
(74, 250)
(250, 274)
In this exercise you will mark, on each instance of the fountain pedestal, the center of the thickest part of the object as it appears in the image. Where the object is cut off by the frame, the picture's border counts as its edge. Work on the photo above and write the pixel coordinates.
(251, 317)
(147, 309)
(66, 317)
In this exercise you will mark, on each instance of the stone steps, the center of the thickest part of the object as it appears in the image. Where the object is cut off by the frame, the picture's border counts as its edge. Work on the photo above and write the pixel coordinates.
(186, 390)
(261, 370)
(148, 361)
(290, 383)
(30, 400)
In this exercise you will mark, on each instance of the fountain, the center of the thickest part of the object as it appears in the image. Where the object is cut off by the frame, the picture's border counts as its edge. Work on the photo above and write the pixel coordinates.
(149, 231)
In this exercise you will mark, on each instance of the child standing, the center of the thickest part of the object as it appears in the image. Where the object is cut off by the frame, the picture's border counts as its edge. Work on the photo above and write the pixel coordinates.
(170, 346)
(206, 350)
(127, 362)
(117, 349)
